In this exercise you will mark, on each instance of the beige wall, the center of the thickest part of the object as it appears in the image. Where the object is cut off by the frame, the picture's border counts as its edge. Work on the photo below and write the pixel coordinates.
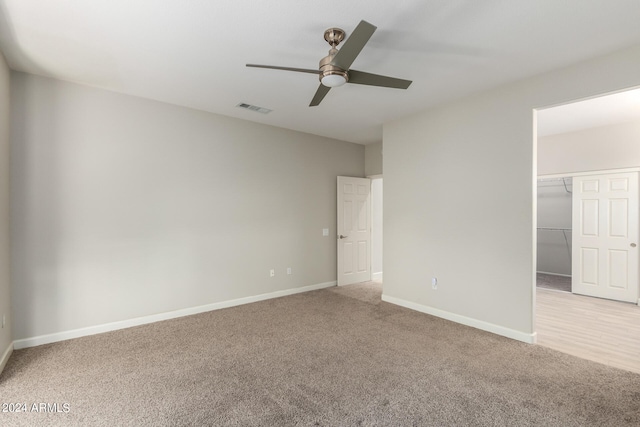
(600, 148)
(458, 202)
(373, 159)
(126, 207)
(5, 295)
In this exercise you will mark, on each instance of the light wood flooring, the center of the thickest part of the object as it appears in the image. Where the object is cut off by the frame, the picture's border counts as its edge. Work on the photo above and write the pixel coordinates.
(600, 330)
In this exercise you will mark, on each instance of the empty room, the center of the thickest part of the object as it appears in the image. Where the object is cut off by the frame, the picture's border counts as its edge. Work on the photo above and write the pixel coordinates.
(295, 213)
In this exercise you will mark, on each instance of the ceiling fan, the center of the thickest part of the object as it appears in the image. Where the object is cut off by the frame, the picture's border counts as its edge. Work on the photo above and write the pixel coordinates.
(334, 68)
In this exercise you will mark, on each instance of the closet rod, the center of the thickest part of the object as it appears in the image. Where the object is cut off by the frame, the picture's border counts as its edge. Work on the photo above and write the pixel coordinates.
(562, 180)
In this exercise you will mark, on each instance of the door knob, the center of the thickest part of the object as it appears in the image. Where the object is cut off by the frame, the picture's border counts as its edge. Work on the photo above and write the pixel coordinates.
(342, 237)
(633, 245)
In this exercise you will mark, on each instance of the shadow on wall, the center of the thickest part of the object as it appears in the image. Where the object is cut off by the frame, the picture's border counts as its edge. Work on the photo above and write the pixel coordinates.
(34, 164)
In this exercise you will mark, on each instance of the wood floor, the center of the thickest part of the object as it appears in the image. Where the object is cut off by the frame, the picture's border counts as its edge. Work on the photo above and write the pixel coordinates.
(591, 328)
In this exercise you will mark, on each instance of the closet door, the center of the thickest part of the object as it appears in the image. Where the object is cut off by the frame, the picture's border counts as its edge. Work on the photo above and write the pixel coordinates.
(605, 236)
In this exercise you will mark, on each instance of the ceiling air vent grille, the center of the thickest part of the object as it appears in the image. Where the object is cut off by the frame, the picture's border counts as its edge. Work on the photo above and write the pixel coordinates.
(255, 108)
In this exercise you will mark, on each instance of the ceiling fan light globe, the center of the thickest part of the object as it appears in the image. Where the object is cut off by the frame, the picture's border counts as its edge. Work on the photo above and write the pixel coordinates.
(333, 80)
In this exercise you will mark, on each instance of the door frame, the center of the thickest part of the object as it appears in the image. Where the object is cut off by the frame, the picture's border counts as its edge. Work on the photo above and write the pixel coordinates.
(372, 178)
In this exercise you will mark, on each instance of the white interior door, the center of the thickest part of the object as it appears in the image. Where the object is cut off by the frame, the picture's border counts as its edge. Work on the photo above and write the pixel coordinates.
(605, 236)
(354, 230)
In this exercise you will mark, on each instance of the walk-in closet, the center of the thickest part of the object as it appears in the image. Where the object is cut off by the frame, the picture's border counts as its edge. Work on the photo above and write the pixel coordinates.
(554, 233)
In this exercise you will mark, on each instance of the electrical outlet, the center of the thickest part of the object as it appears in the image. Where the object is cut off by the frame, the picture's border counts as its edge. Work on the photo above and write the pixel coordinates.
(325, 232)
(272, 273)
(434, 283)
(289, 270)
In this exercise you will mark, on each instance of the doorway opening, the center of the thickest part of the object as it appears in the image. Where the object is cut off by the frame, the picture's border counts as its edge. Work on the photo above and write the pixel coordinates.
(359, 230)
(584, 152)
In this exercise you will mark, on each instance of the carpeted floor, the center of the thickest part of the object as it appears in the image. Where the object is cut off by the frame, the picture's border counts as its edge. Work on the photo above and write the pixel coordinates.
(551, 281)
(333, 357)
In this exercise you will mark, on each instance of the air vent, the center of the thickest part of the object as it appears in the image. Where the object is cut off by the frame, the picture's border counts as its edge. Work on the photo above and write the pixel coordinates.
(255, 108)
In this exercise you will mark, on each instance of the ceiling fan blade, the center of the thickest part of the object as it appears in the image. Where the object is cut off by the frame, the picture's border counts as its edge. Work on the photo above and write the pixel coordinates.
(362, 78)
(299, 70)
(319, 96)
(354, 44)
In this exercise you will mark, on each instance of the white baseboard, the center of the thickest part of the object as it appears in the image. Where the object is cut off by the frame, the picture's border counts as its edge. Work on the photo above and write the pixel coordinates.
(553, 274)
(107, 327)
(376, 276)
(478, 324)
(5, 357)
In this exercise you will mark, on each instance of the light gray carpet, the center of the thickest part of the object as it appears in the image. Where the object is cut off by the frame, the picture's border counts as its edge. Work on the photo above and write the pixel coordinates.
(334, 357)
(551, 281)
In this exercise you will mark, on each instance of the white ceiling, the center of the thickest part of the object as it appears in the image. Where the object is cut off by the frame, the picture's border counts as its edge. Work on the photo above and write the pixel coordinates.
(601, 111)
(193, 52)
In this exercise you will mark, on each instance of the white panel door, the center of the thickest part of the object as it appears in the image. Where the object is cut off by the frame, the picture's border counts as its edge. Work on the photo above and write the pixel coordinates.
(354, 230)
(605, 236)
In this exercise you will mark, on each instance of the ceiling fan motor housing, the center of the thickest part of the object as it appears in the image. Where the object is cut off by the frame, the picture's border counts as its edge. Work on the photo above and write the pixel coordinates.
(327, 69)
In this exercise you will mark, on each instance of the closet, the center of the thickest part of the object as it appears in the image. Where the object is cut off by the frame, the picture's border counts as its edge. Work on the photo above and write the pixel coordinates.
(554, 232)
